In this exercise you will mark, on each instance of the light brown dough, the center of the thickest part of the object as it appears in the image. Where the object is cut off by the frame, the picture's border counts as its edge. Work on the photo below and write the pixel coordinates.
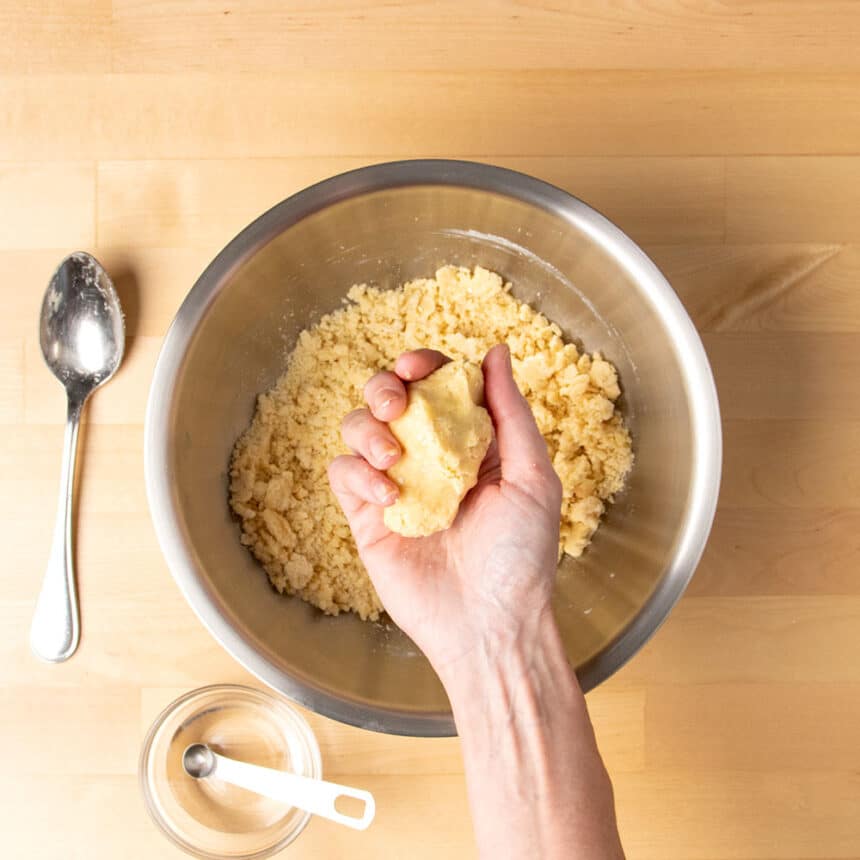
(444, 434)
(291, 521)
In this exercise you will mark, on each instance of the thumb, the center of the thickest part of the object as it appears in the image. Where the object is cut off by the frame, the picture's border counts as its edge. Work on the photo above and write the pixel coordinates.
(522, 450)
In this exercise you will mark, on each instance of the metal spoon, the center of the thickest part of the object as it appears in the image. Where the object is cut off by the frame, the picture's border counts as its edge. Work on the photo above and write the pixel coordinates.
(82, 335)
(312, 795)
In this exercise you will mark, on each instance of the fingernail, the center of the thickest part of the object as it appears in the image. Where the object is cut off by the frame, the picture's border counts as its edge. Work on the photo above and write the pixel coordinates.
(384, 399)
(383, 451)
(384, 492)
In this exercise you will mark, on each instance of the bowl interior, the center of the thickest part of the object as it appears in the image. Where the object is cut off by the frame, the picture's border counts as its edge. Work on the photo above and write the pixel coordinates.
(234, 346)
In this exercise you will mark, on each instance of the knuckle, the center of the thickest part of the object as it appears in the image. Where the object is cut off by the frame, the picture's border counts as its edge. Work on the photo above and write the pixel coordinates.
(378, 380)
(335, 468)
(353, 419)
(333, 472)
(343, 463)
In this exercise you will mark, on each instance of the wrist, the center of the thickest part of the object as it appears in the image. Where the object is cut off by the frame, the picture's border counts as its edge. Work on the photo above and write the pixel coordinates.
(509, 660)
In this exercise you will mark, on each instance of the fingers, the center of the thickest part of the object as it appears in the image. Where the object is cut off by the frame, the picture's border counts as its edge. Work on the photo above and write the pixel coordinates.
(419, 363)
(356, 483)
(370, 438)
(385, 394)
(522, 450)
(359, 482)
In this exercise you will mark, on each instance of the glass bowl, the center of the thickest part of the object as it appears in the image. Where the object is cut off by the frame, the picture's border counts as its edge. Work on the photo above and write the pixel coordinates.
(208, 818)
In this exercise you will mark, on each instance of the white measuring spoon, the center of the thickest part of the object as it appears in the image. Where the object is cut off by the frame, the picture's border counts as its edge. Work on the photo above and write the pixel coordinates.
(312, 795)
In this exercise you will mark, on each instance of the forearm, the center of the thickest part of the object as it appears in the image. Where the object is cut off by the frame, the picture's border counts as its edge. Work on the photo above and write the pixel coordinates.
(537, 785)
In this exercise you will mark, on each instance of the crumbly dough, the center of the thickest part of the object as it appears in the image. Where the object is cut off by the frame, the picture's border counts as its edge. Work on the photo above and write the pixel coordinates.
(444, 434)
(278, 485)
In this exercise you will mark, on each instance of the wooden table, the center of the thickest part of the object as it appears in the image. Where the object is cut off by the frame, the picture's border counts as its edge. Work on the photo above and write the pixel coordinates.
(723, 137)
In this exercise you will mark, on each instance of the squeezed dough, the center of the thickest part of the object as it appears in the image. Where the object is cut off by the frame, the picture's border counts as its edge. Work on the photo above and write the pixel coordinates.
(444, 434)
(289, 517)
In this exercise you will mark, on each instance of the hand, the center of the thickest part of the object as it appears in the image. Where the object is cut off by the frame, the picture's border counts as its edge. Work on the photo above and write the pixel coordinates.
(486, 581)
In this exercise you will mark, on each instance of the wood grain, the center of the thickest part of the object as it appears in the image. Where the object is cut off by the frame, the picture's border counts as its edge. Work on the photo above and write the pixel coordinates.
(790, 464)
(166, 274)
(724, 137)
(11, 381)
(49, 35)
(779, 199)
(763, 551)
(729, 640)
(514, 34)
(44, 397)
(186, 203)
(711, 818)
(766, 287)
(357, 112)
(780, 375)
(731, 727)
(46, 204)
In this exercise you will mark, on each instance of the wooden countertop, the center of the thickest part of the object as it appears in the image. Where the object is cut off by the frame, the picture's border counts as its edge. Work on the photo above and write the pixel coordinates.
(725, 138)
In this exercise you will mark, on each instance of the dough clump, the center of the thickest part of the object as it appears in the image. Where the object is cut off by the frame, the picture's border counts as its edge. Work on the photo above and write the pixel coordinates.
(279, 490)
(444, 434)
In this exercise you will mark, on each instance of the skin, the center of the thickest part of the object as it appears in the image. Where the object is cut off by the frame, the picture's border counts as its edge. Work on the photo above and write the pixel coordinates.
(476, 599)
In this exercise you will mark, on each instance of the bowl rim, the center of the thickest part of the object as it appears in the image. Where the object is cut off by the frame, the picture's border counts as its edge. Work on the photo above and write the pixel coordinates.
(698, 380)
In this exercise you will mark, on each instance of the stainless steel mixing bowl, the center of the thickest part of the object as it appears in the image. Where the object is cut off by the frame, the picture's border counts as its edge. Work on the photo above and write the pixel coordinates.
(385, 224)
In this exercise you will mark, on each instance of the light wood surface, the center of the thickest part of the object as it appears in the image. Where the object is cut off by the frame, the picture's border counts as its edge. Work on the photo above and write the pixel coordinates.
(723, 137)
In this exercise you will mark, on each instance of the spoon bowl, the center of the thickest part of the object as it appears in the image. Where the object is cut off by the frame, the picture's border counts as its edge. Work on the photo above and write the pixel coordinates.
(82, 335)
(81, 329)
(198, 761)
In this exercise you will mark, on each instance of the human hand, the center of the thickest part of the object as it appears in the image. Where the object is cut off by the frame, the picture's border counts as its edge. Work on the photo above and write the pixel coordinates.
(476, 599)
(487, 580)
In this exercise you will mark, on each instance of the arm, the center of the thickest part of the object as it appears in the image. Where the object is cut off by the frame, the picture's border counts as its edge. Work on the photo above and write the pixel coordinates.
(476, 599)
(537, 785)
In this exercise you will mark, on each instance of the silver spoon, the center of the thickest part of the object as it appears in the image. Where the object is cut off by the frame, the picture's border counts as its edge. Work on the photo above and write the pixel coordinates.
(312, 795)
(82, 335)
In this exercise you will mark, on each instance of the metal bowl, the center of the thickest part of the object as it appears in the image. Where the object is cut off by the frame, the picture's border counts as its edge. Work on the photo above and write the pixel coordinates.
(385, 224)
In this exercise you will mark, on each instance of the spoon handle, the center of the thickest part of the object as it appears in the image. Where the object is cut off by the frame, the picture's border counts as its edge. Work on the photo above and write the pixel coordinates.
(312, 795)
(55, 630)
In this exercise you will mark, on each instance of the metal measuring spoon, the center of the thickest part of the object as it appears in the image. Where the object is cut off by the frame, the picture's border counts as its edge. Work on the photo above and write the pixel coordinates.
(311, 795)
(82, 335)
